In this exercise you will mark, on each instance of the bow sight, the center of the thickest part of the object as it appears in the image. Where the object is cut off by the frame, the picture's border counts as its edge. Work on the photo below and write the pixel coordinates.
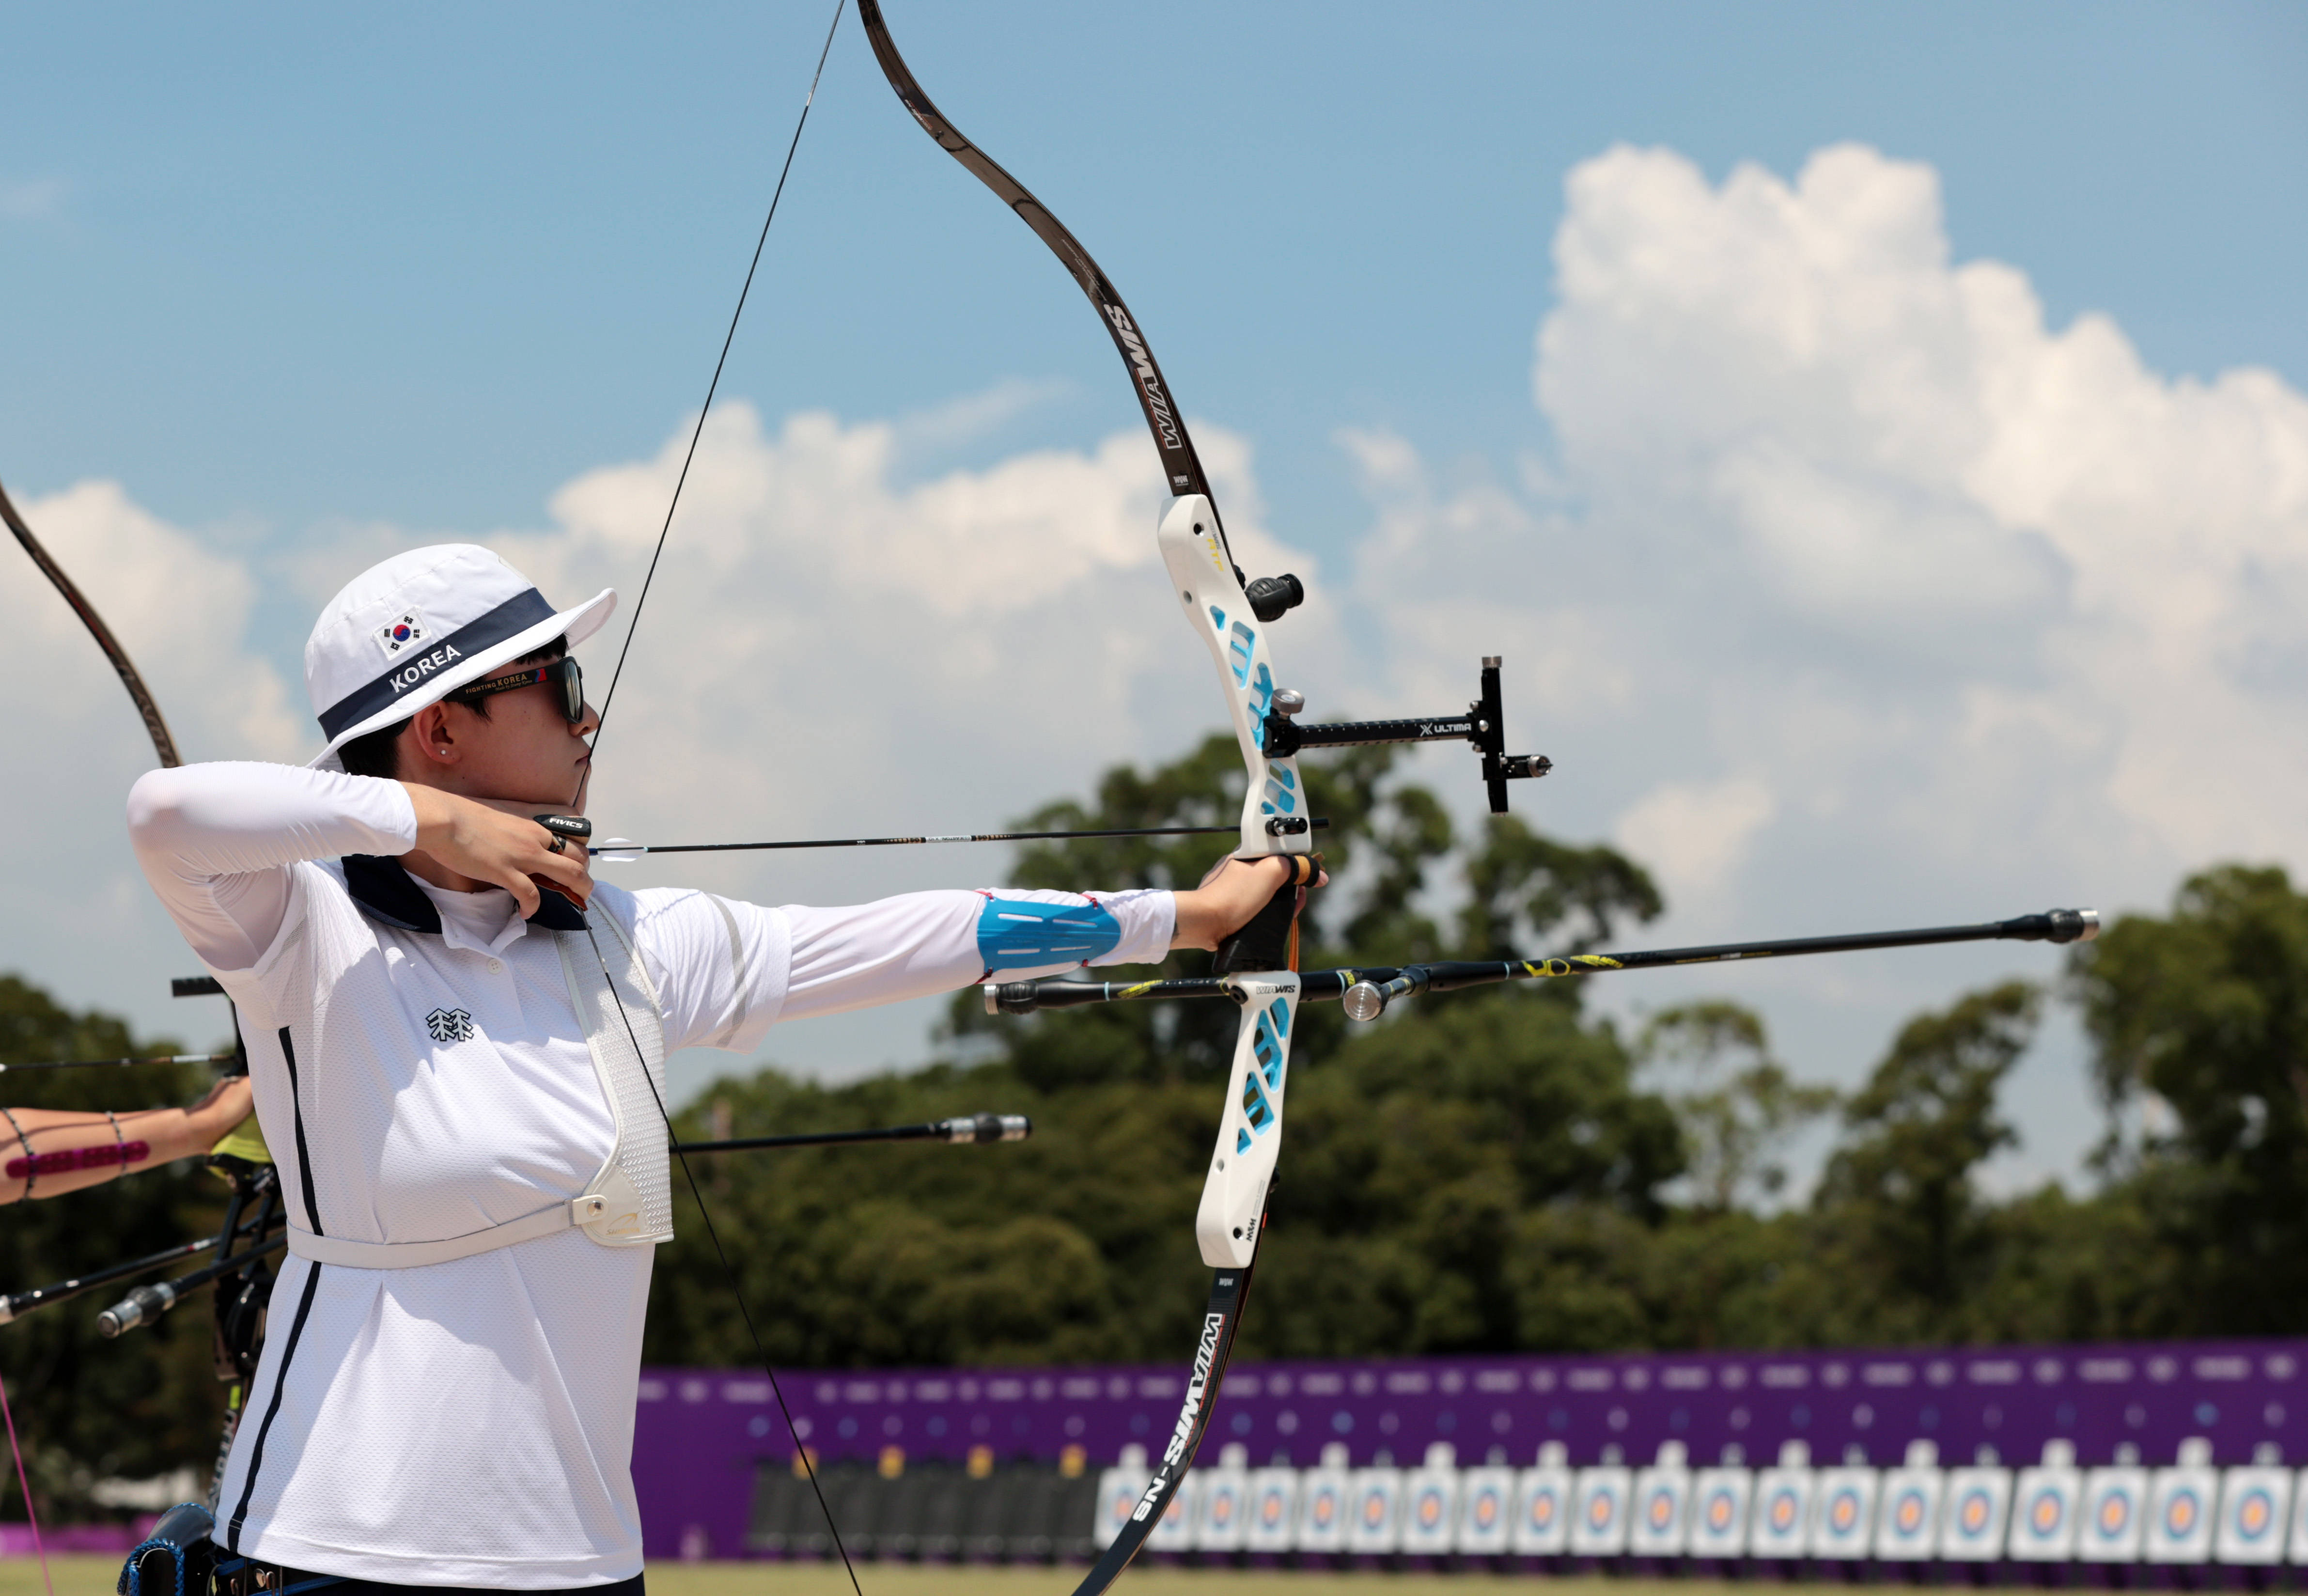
(1483, 727)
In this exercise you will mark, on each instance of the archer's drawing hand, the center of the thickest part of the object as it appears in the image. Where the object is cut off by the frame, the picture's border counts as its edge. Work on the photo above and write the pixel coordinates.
(1229, 896)
(498, 844)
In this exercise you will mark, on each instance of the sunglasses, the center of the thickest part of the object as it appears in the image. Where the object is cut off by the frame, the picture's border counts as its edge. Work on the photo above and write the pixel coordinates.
(563, 673)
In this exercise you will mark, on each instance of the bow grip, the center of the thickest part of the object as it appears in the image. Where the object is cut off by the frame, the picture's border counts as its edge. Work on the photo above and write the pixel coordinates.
(1270, 940)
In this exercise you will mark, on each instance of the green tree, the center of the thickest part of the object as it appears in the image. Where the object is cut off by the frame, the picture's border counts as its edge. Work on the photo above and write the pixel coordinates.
(1488, 1171)
(2207, 1009)
(1901, 1190)
(1734, 1124)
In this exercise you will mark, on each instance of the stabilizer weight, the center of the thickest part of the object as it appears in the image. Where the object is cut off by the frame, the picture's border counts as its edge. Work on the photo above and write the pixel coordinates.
(1265, 943)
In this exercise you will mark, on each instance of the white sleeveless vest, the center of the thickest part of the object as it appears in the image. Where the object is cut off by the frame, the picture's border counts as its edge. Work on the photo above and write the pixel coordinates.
(629, 1201)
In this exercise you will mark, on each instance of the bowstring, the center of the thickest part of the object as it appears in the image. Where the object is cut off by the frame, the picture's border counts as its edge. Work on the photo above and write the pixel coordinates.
(728, 1270)
(713, 387)
(696, 432)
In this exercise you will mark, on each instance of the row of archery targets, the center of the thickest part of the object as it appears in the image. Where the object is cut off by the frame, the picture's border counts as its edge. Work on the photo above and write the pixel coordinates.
(2185, 1512)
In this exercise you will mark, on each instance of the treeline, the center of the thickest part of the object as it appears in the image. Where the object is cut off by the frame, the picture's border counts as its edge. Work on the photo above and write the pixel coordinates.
(1499, 1170)
(1496, 1170)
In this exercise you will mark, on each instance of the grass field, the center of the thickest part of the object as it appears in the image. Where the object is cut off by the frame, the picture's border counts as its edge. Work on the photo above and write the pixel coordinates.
(86, 1576)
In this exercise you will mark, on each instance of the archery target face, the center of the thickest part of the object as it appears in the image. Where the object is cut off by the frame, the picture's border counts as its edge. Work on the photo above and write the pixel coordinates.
(2045, 1510)
(1973, 1512)
(1722, 1506)
(1542, 1510)
(2181, 1512)
(1843, 1511)
(1324, 1508)
(2114, 1516)
(1780, 1511)
(1601, 1509)
(1659, 1511)
(2255, 1515)
(1907, 1513)
(1485, 1510)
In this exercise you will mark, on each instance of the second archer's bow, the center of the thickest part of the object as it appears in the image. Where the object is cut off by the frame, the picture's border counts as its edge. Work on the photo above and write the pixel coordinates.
(240, 1315)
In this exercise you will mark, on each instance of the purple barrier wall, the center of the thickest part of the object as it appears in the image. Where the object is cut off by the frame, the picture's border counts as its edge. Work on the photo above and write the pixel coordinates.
(702, 1433)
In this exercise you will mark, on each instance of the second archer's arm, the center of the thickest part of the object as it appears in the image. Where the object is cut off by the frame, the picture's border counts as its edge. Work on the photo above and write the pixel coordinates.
(46, 1153)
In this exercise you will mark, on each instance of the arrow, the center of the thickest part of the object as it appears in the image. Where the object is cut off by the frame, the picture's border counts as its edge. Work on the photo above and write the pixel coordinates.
(98, 1064)
(616, 850)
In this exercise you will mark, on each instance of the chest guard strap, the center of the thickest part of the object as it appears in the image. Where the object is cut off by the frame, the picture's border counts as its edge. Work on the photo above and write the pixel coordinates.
(629, 1201)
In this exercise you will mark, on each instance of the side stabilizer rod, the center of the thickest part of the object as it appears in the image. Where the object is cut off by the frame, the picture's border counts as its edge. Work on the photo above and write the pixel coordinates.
(1483, 727)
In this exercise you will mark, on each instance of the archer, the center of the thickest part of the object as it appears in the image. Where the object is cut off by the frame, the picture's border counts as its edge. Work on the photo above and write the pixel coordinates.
(456, 1041)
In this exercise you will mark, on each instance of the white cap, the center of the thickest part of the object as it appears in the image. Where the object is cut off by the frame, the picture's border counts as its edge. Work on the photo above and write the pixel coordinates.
(413, 630)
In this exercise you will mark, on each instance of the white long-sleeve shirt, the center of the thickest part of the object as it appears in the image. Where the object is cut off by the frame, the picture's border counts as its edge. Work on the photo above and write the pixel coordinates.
(470, 1422)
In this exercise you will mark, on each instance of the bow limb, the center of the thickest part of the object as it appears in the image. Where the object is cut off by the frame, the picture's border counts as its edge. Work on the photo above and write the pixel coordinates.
(1256, 965)
(164, 745)
(1181, 467)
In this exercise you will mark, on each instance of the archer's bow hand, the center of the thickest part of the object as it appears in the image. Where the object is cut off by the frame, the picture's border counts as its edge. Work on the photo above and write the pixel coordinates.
(1233, 894)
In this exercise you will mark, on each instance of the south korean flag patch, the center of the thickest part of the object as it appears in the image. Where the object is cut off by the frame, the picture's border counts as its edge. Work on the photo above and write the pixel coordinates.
(401, 634)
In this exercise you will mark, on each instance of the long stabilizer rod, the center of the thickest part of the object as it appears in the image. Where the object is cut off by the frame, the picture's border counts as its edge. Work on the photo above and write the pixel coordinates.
(1367, 992)
(965, 1129)
(146, 1304)
(17, 1304)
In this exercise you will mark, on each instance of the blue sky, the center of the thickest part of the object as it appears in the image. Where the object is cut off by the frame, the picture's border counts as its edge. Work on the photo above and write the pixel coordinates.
(308, 285)
(280, 265)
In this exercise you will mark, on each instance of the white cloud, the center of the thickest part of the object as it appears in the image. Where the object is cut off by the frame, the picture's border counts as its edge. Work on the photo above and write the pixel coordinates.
(830, 647)
(180, 610)
(2061, 589)
(1856, 595)
(1694, 837)
(80, 920)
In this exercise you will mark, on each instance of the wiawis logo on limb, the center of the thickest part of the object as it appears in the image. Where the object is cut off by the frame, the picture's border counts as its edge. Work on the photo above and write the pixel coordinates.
(1150, 381)
(1174, 1455)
